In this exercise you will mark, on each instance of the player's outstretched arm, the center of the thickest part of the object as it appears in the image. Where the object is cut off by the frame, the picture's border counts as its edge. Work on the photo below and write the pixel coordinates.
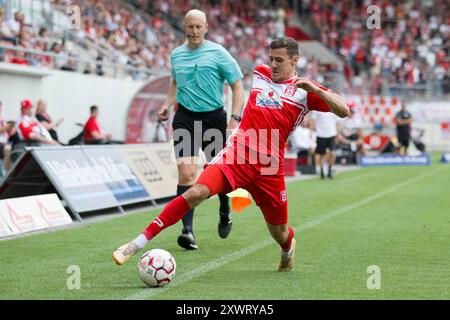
(334, 101)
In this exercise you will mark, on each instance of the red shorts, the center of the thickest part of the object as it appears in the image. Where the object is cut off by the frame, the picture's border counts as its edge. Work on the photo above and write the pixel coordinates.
(268, 190)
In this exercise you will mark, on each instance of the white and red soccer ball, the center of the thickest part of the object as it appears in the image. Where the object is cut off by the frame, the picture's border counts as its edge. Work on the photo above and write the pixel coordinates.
(156, 268)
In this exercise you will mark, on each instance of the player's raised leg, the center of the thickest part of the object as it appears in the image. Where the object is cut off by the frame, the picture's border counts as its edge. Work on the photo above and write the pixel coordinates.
(210, 182)
(172, 213)
(282, 233)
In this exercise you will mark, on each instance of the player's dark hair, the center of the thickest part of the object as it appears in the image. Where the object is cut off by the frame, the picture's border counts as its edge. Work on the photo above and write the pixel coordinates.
(290, 44)
(94, 108)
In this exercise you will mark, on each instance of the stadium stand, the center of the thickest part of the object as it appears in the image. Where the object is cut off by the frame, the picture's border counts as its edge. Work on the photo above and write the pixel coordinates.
(141, 34)
(388, 54)
(144, 38)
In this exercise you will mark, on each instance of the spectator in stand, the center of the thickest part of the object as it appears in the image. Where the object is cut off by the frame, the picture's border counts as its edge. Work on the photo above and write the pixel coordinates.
(93, 131)
(326, 131)
(26, 39)
(46, 121)
(29, 129)
(99, 66)
(15, 25)
(58, 62)
(70, 65)
(5, 32)
(6, 129)
(43, 33)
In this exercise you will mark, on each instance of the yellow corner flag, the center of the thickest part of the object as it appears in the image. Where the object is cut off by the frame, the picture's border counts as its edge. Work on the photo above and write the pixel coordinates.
(240, 199)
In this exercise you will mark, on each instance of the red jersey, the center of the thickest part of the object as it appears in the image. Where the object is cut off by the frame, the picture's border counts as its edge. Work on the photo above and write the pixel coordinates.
(253, 157)
(273, 111)
(92, 125)
(28, 126)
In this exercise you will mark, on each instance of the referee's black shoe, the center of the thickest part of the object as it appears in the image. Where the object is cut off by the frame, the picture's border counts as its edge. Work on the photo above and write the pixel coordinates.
(187, 241)
(225, 224)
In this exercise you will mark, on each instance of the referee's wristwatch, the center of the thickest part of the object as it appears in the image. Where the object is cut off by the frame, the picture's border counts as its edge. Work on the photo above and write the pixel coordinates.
(236, 117)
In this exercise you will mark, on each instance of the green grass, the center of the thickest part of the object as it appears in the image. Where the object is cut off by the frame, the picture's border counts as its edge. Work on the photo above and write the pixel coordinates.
(403, 229)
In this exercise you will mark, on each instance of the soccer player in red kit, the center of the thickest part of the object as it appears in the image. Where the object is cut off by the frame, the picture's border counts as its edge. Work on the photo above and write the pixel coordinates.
(253, 157)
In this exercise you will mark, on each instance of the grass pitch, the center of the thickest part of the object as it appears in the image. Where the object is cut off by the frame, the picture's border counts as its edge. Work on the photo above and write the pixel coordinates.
(396, 218)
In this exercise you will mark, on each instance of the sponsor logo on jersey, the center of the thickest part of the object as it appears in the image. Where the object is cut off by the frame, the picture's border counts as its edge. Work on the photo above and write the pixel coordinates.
(269, 99)
(290, 90)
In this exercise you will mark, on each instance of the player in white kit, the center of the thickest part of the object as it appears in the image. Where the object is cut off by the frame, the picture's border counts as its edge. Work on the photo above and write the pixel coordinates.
(326, 131)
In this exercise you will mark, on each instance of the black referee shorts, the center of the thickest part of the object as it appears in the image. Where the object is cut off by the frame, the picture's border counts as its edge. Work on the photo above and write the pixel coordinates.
(195, 130)
(325, 143)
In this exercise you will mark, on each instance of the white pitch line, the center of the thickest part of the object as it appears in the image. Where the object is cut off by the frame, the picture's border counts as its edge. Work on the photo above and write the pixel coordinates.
(363, 175)
(186, 277)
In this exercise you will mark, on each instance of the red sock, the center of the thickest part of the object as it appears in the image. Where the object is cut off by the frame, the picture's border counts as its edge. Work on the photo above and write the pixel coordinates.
(172, 213)
(287, 245)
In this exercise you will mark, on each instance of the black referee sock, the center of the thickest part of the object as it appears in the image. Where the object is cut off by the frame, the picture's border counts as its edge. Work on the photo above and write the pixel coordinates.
(224, 203)
(188, 217)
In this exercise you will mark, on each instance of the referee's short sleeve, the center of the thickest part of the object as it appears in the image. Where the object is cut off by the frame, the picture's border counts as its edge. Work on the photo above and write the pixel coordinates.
(229, 67)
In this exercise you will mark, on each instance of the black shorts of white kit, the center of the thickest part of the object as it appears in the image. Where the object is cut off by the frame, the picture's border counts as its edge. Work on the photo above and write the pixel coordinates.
(325, 143)
(404, 141)
(191, 131)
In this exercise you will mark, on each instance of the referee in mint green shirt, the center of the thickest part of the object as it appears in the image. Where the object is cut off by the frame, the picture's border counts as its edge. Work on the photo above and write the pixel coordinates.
(199, 70)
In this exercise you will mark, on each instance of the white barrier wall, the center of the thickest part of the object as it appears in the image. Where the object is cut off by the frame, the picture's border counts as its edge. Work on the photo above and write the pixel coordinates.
(434, 137)
(68, 95)
(432, 116)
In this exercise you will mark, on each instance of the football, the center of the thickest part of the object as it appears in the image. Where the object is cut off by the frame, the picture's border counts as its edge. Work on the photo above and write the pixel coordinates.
(156, 268)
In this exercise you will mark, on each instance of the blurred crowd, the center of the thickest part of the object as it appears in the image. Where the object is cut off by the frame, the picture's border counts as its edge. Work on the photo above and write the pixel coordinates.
(410, 47)
(244, 28)
(17, 32)
(144, 38)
